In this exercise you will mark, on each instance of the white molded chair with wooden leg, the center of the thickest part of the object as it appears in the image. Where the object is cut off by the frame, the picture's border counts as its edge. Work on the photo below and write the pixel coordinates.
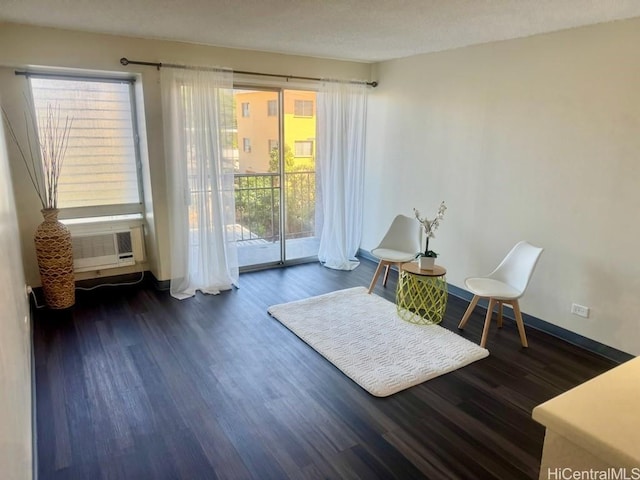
(506, 284)
(400, 244)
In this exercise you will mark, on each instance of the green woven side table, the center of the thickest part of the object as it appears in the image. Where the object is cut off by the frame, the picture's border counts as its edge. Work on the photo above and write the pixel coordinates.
(422, 294)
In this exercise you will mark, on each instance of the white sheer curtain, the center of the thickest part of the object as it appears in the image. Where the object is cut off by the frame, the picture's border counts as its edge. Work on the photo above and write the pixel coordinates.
(340, 168)
(197, 110)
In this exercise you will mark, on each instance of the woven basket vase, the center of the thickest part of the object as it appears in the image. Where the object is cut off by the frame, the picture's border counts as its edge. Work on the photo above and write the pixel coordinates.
(55, 261)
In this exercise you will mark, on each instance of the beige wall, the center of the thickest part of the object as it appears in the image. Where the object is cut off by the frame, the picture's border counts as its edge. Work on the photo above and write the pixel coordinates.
(535, 139)
(15, 342)
(32, 46)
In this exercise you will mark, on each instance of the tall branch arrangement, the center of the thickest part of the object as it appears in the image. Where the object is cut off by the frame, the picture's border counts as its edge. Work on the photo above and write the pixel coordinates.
(429, 227)
(45, 152)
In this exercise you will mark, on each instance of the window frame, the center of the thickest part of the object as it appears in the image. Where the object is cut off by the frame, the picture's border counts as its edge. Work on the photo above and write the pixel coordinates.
(113, 210)
(302, 102)
(246, 112)
(305, 142)
(272, 108)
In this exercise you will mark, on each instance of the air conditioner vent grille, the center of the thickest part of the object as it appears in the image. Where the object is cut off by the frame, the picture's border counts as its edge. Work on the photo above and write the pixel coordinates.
(94, 246)
(124, 242)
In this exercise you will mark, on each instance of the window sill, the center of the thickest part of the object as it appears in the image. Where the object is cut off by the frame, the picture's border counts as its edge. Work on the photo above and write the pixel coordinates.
(131, 217)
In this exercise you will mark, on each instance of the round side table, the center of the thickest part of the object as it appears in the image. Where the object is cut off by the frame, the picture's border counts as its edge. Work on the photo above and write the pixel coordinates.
(421, 296)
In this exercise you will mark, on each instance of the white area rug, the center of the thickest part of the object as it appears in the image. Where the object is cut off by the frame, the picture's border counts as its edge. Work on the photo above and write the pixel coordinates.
(363, 336)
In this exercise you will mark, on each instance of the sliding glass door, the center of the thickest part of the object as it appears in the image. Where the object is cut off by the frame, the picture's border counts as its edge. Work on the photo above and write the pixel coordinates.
(275, 187)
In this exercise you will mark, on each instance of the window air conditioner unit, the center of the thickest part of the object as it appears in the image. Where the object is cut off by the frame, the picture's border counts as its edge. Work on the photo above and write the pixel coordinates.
(101, 250)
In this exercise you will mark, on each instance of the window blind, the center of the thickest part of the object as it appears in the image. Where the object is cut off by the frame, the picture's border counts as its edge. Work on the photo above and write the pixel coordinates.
(101, 165)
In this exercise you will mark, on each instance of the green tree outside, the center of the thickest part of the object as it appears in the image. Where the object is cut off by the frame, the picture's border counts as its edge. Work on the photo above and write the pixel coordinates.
(258, 199)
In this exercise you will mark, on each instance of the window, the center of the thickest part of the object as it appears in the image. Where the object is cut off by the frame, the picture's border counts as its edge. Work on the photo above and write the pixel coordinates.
(100, 174)
(246, 145)
(303, 108)
(304, 149)
(272, 108)
(245, 109)
(273, 144)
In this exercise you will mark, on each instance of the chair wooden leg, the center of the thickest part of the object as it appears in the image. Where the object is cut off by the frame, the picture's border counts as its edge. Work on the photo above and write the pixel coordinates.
(499, 314)
(386, 275)
(376, 275)
(467, 314)
(520, 323)
(487, 322)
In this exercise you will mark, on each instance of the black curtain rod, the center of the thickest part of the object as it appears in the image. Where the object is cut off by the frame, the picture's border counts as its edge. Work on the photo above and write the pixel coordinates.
(125, 61)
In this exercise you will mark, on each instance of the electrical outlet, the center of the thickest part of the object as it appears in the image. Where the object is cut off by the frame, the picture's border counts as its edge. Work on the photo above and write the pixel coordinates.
(580, 310)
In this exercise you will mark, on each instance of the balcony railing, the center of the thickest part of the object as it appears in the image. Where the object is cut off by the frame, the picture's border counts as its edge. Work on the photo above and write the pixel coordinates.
(257, 199)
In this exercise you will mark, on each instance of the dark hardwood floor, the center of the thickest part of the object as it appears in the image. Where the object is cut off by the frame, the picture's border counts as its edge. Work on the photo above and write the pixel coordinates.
(132, 384)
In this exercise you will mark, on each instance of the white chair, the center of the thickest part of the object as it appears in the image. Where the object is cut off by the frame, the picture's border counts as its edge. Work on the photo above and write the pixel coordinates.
(400, 244)
(506, 284)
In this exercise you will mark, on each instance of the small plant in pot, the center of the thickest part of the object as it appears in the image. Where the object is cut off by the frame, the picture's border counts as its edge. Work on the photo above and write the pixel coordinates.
(426, 259)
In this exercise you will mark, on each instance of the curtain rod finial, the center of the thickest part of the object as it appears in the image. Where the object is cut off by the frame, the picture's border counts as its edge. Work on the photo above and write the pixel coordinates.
(124, 61)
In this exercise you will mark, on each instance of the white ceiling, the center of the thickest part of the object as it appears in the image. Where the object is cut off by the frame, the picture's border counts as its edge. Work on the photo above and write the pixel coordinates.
(361, 30)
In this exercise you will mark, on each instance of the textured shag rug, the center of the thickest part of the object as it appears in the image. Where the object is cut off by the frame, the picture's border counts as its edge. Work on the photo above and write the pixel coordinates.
(363, 336)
